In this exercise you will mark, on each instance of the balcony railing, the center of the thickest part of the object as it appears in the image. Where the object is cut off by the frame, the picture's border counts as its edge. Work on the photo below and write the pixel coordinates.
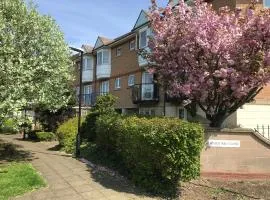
(89, 100)
(142, 93)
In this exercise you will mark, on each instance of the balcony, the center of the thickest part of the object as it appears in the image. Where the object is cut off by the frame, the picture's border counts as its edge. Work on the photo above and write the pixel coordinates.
(143, 93)
(103, 71)
(89, 100)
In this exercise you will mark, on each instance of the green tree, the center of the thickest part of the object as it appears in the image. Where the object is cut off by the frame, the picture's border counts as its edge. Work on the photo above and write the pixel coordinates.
(34, 59)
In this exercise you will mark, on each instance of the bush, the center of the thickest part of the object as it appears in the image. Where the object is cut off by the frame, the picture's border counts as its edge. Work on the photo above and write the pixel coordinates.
(104, 106)
(9, 126)
(50, 120)
(156, 152)
(106, 128)
(32, 134)
(66, 134)
(38, 136)
(45, 136)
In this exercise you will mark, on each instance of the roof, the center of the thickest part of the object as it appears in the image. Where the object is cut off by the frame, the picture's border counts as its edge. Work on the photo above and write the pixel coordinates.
(105, 41)
(141, 20)
(102, 41)
(87, 48)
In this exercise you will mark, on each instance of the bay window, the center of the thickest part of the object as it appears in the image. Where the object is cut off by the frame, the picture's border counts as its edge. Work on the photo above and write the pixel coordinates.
(103, 57)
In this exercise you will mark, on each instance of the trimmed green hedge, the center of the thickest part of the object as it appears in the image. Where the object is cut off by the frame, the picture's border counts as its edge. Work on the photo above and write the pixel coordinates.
(45, 136)
(104, 106)
(66, 134)
(38, 136)
(157, 153)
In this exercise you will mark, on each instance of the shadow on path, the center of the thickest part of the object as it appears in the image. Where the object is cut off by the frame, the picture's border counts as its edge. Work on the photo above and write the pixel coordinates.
(10, 152)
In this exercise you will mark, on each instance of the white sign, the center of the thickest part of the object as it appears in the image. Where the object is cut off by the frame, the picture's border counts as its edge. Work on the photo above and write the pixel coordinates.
(224, 143)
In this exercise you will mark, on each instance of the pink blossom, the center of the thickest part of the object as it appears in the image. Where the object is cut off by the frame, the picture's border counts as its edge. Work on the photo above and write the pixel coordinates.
(205, 55)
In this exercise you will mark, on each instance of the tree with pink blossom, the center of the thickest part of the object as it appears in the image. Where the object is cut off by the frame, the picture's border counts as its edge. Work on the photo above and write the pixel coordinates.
(219, 60)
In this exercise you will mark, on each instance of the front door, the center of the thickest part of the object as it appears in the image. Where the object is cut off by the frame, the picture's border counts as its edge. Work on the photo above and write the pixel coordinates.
(147, 86)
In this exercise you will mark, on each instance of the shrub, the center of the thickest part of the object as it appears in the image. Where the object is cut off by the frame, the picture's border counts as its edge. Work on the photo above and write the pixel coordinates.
(88, 129)
(104, 106)
(156, 152)
(66, 134)
(51, 119)
(9, 126)
(45, 136)
(32, 134)
(106, 128)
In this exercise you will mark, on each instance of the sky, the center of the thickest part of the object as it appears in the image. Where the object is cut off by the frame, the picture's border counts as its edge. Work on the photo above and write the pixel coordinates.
(82, 21)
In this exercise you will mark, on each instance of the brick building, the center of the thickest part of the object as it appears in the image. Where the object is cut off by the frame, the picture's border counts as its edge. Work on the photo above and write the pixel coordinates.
(114, 66)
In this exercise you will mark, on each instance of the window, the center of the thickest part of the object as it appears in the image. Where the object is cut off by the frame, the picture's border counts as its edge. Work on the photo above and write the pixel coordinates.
(132, 45)
(266, 3)
(104, 88)
(182, 113)
(118, 51)
(117, 83)
(131, 80)
(87, 63)
(147, 112)
(143, 38)
(87, 90)
(103, 57)
(99, 58)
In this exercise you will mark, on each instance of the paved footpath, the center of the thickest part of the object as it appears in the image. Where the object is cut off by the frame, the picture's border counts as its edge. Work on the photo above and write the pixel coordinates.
(70, 179)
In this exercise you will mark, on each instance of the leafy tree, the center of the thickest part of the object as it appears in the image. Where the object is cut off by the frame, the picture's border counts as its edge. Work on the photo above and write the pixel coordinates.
(217, 60)
(34, 59)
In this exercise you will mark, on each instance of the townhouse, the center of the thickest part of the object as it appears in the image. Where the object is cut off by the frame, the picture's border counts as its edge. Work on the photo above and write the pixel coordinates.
(114, 66)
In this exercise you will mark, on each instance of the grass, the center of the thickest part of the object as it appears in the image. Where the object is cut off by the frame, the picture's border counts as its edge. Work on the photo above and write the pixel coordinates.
(17, 179)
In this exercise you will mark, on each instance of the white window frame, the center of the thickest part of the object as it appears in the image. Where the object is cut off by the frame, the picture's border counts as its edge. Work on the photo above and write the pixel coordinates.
(118, 51)
(104, 87)
(87, 63)
(102, 52)
(132, 47)
(140, 38)
(117, 83)
(264, 4)
(87, 89)
(131, 80)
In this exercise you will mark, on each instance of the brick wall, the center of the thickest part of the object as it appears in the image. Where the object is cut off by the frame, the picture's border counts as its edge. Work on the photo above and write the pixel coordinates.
(253, 156)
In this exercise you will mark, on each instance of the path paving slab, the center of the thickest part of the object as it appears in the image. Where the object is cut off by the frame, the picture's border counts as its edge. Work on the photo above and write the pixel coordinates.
(68, 178)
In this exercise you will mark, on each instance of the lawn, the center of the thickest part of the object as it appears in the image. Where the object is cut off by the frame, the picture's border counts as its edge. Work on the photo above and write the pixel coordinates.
(17, 179)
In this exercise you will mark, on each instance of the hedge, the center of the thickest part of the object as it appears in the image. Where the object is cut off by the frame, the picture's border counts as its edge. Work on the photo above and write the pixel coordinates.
(66, 134)
(104, 106)
(45, 136)
(38, 136)
(157, 153)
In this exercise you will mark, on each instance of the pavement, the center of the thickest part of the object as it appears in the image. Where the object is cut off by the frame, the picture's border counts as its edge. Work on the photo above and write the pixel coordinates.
(70, 179)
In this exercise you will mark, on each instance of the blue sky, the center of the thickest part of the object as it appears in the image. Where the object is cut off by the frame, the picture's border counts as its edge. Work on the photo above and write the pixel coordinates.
(83, 20)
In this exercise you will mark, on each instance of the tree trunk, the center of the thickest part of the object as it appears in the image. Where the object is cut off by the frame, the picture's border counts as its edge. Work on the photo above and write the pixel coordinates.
(217, 119)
